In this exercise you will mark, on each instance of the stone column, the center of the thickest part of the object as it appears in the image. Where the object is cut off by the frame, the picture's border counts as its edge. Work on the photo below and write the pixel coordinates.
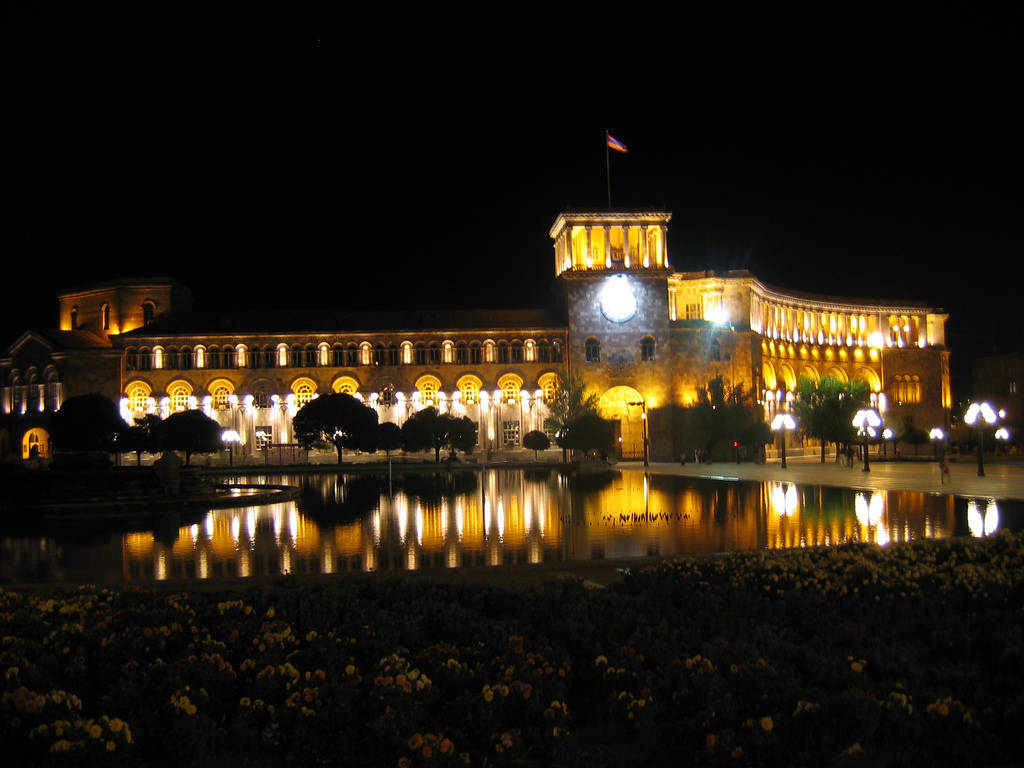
(645, 256)
(607, 246)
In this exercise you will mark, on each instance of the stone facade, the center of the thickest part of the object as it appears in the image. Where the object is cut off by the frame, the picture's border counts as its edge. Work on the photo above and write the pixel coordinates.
(644, 336)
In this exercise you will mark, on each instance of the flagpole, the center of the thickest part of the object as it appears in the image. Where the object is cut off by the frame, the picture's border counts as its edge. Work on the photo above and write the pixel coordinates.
(608, 170)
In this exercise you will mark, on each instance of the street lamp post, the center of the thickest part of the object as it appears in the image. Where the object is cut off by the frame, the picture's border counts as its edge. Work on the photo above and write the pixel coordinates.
(937, 436)
(867, 421)
(888, 434)
(229, 437)
(978, 415)
(781, 423)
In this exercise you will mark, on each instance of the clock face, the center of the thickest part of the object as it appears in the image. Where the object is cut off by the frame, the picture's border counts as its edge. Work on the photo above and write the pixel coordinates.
(618, 302)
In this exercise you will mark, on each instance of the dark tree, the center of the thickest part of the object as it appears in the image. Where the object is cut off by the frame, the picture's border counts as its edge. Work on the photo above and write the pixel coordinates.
(589, 432)
(535, 440)
(87, 423)
(189, 432)
(724, 418)
(338, 419)
(389, 437)
(142, 437)
(429, 429)
(571, 400)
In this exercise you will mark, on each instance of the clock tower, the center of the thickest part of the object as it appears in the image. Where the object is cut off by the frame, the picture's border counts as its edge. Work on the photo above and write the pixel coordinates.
(613, 266)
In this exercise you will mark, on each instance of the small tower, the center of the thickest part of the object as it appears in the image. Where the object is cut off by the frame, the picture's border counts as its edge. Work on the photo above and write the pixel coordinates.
(614, 268)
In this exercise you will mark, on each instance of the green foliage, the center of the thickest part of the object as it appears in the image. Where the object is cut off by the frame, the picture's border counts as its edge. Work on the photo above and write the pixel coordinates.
(535, 440)
(87, 423)
(141, 437)
(428, 429)
(190, 432)
(338, 419)
(725, 415)
(825, 409)
(571, 401)
(389, 437)
(589, 432)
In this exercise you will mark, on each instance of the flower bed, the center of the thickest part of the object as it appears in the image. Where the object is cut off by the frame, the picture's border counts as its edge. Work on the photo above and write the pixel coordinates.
(848, 656)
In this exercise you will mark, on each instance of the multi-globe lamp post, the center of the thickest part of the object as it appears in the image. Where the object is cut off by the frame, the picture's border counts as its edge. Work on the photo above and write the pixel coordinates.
(937, 436)
(866, 422)
(781, 423)
(230, 438)
(978, 415)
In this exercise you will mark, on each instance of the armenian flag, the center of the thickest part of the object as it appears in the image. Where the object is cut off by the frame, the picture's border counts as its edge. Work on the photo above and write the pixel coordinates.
(614, 143)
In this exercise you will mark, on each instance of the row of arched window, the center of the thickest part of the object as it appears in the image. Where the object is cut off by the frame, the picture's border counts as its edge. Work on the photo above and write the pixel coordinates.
(427, 390)
(343, 355)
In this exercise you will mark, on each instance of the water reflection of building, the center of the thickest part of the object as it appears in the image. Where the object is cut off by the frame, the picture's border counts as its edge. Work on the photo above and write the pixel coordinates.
(643, 335)
(511, 520)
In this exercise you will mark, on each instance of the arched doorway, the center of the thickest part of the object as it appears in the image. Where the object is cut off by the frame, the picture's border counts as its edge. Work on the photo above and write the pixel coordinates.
(35, 444)
(625, 408)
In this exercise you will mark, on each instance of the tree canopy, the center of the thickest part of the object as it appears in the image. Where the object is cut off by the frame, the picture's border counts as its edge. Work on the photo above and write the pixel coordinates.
(189, 431)
(87, 423)
(535, 440)
(589, 432)
(825, 409)
(429, 429)
(338, 419)
(570, 402)
(724, 417)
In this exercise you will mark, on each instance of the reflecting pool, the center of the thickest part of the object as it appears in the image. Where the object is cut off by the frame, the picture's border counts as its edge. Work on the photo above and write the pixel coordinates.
(445, 519)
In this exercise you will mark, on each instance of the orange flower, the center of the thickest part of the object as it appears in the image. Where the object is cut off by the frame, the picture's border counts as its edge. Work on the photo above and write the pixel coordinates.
(711, 741)
(415, 741)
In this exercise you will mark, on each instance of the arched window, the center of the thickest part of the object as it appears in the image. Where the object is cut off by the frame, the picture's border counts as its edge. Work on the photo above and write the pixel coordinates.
(309, 356)
(510, 386)
(138, 398)
(105, 315)
(296, 356)
(220, 391)
(503, 356)
(171, 358)
(346, 385)
(469, 386)
(549, 385)
(461, 353)
(475, 353)
(303, 389)
(148, 312)
(543, 352)
(74, 318)
(392, 356)
(516, 349)
(145, 359)
(131, 359)
(428, 387)
(178, 393)
(647, 348)
(256, 356)
(420, 354)
(227, 357)
(592, 350)
(213, 357)
(337, 355)
(556, 352)
(185, 359)
(434, 353)
(714, 351)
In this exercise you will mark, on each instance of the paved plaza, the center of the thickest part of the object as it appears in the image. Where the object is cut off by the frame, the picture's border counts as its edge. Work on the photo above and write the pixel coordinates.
(1003, 478)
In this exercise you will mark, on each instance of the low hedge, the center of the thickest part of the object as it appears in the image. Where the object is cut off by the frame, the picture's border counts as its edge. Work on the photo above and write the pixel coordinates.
(854, 655)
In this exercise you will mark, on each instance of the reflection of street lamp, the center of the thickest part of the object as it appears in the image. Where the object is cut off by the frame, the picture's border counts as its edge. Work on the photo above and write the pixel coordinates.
(229, 437)
(643, 422)
(867, 421)
(1003, 435)
(937, 436)
(978, 414)
(888, 434)
(781, 423)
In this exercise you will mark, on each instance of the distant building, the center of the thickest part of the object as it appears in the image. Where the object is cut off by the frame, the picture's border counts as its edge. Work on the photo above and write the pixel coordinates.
(643, 335)
(999, 379)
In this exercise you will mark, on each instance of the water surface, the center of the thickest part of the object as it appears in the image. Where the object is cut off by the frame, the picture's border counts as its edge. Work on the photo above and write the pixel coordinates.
(458, 519)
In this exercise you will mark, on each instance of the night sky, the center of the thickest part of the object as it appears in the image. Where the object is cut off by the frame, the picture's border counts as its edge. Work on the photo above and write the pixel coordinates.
(312, 158)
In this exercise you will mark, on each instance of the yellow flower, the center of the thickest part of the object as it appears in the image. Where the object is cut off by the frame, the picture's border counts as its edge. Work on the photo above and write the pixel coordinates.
(111, 746)
(95, 731)
(767, 724)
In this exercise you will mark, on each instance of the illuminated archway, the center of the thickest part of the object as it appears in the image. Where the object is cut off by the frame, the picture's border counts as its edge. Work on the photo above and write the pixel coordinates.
(469, 386)
(510, 385)
(549, 384)
(346, 385)
(138, 393)
(35, 444)
(303, 388)
(870, 376)
(221, 391)
(838, 374)
(428, 387)
(178, 392)
(768, 372)
(624, 405)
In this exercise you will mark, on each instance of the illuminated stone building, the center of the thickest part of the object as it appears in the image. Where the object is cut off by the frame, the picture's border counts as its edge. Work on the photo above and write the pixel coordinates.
(642, 334)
